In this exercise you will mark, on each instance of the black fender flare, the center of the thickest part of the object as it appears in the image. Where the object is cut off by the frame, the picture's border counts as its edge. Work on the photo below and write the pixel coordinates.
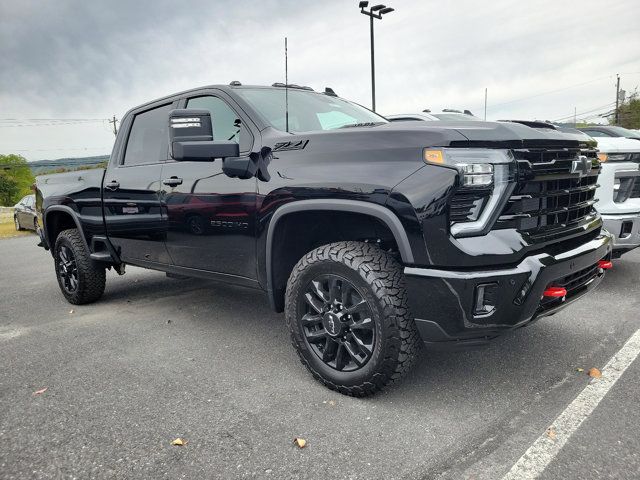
(380, 212)
(74, 216)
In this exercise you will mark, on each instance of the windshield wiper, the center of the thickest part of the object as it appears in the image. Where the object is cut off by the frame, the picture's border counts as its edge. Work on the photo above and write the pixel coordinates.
(364, 124)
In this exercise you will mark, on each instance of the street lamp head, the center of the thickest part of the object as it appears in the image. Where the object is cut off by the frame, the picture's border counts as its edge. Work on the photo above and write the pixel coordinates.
(363, 4)
(375, 8)
(386, 10)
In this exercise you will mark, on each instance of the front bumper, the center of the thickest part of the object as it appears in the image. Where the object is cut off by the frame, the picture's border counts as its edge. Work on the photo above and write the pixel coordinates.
(619, 226)
(445, 303)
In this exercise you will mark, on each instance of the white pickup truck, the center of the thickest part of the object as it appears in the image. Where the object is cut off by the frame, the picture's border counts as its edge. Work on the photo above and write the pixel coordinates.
(619, 192)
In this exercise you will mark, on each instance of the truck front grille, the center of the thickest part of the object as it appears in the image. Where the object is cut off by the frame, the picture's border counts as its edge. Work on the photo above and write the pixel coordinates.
(635, 192)
(548, 198)
(465, 203)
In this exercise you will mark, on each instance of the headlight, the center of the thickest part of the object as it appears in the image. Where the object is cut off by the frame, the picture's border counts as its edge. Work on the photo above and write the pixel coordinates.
(619, 157)
(486, 177)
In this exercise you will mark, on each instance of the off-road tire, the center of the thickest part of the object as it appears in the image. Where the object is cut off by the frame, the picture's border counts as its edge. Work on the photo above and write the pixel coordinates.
(91, 275)
(379, 276)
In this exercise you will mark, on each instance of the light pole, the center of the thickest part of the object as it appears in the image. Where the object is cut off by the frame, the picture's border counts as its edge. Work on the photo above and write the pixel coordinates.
(374, 12)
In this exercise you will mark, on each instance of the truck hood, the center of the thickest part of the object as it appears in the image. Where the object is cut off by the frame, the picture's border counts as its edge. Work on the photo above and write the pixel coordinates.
(420, 134)
(618, 145)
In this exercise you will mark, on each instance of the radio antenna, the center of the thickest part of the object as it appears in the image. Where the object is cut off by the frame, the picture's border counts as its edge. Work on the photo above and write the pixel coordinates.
(286, 85)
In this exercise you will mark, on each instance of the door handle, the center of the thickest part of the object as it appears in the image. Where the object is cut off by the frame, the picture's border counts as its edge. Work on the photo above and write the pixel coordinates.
(112, 185)
(172, 181)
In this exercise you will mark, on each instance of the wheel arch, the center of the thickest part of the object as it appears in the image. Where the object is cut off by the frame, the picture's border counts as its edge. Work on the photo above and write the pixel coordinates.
(58, 218)
(367, 209)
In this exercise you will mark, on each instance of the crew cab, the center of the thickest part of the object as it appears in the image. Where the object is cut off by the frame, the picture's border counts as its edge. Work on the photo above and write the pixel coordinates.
(373, 237)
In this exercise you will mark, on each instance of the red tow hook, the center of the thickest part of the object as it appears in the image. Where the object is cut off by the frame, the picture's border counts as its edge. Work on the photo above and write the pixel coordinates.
(555, 292)
(605, 264)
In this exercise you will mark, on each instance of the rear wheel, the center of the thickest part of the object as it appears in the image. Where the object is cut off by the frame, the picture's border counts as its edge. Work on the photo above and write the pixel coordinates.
(81, 279)
(346, 308)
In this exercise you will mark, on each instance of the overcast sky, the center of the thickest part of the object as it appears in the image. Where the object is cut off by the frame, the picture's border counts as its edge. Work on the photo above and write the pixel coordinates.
(80, 59)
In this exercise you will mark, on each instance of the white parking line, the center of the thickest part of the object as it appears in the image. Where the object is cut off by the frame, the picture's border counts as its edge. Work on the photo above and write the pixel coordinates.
(544, 449)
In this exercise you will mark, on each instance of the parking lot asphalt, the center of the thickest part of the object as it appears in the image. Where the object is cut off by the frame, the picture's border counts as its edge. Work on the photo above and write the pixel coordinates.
(158, 358)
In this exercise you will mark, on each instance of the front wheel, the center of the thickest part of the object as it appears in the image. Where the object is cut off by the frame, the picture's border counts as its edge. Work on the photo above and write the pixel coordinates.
(81, 279)
(17, 223)
(346, 309)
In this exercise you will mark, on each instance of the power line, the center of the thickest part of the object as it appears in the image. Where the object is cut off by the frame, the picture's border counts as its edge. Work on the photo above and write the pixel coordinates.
(18, 119)
(548, 92)
(608, 105)
(51, 124)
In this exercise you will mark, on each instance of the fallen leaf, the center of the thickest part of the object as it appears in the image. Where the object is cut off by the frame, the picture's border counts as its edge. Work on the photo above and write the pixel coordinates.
(41, 391)
(179, 442)
(594, 373)
(70, 311)
(300, 442)
(332, 402)
(580, 370)
(551, 433)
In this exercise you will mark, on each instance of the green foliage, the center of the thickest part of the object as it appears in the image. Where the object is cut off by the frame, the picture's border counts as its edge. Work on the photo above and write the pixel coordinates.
(8, 190)
(628, 113)
(16, 178)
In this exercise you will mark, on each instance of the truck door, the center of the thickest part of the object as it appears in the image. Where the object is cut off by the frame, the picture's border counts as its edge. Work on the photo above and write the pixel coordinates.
(131, 187)
(211, 216)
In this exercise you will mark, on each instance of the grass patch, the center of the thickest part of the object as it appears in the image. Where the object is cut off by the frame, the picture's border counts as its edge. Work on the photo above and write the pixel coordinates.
(8, 230)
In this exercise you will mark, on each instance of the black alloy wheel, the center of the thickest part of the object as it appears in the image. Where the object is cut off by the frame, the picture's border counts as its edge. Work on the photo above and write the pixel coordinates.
(67, 269)
(338, 323)
(346, 309)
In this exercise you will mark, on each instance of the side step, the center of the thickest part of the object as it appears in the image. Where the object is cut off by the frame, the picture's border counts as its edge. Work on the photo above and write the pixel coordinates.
(101, 257)
(103, 251)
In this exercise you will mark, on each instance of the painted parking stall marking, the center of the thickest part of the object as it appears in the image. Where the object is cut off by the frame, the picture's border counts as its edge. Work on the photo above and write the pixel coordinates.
(545, 449)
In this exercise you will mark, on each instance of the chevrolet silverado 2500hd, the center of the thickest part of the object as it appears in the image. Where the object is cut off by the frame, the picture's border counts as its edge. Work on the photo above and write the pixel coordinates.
(373, 237)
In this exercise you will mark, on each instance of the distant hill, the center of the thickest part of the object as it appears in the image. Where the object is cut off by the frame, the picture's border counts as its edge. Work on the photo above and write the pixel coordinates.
(42, 167)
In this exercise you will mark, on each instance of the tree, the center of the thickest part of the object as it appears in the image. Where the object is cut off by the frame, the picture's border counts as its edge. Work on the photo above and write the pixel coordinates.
(628, 113)
(8, 190)
(16, 178)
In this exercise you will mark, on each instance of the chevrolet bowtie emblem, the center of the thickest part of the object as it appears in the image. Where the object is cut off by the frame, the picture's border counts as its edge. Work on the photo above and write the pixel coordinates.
(581, 166)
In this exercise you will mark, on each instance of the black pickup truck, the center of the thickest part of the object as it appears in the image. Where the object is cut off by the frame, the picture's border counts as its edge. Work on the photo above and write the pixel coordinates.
(372, 237)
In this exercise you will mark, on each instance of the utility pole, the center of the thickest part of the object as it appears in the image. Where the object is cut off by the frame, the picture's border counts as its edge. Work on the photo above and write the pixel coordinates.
(114, 120)
(575, 114)
(617, 99)
(377, 11)
(485, 104)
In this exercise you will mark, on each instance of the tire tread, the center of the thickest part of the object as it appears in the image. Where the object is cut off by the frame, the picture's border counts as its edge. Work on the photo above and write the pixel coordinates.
(385, 277)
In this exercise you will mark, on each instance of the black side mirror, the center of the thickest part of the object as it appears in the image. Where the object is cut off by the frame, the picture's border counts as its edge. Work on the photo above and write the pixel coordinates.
(191, 137)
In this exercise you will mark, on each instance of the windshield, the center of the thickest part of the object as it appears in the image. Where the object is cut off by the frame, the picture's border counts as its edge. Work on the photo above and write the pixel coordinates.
(623, 132)
(456, 117)
(308, 111)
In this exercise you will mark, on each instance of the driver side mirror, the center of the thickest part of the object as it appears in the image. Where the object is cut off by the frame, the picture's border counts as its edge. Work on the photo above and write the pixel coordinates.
(191, 137)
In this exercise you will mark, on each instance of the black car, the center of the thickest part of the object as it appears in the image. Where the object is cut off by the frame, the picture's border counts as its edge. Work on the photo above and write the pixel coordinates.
(373, 237)
(24, 215)
(609, 131)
